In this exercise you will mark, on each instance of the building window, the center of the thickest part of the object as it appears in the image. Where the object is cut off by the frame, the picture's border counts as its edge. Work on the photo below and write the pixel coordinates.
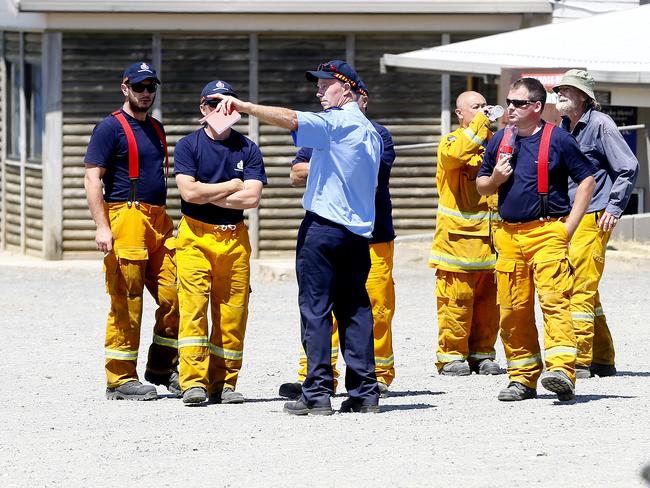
(31, 80)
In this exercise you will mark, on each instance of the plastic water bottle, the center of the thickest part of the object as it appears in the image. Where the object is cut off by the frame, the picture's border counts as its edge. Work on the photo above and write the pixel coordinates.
(508, 141)
(493, 112)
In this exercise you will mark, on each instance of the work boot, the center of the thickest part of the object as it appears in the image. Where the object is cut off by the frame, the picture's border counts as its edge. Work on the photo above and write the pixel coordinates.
(455, 368)
(558, 382)
(299, 407)
(168, 380)
(383, 389)
(291, 391)
(602, 370)
(485, 367)
(356, 405)
(582, 372)
(516, 391)
(194, 396)
(226, 396)
(132, 390)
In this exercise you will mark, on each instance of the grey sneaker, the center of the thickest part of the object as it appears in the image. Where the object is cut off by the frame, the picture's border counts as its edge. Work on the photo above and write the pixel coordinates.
(194, 396)
(602, 370)
(559, 383)
(516, 391)
(132, 390)
(226, 396)
(455, 368)
(356, 405)
(383, 389)
(486, 367)
(300, 408)
(582, 372)
(290, 390)
(168, 380)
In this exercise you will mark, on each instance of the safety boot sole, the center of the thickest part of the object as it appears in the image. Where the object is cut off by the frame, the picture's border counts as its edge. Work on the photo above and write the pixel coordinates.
(560, 387)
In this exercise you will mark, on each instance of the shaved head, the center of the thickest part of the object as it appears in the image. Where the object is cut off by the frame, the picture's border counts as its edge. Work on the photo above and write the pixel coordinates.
(467, 104)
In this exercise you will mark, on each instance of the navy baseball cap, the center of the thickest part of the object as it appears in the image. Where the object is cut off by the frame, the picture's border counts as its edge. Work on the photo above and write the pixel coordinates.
(335, 69)
(217, 87)
(138, 72)
(363, 89)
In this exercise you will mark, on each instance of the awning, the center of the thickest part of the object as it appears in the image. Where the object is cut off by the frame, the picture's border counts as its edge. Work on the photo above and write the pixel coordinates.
(611, 46)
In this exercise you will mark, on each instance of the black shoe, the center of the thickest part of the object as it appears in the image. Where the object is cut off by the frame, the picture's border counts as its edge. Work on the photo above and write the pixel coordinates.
(292, 391)
(168, 380)
(516, 391)
(602, 370)
(300, 408)
(356, 405)
(559, 383)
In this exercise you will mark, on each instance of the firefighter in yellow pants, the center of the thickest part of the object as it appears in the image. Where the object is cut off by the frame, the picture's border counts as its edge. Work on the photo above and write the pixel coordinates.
(532, 241)
(468, 316)
(380, 286)
(126, 190)
(617, 169)
(219, 174)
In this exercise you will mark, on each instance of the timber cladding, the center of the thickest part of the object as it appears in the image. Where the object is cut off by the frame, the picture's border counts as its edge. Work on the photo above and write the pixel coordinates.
(407, 104)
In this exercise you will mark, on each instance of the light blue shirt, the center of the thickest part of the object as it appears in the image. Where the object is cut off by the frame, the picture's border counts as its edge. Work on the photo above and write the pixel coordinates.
(343, 169)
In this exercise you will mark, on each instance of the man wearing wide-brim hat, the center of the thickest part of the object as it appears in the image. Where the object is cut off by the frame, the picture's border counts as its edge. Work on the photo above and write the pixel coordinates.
(616, 170)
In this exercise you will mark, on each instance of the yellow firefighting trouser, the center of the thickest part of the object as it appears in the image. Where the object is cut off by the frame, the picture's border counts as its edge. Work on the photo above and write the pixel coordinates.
(468, 316)
(587, 256)
(381, 291)
(142, 255)
(533, 255)
(213, 268)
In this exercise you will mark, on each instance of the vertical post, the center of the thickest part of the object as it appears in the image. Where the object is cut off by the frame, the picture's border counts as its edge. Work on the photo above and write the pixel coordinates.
(156, 60)
(350, 49)
(52, 146)
(445, 93)
(254, 134)
(22, 141)
(3, 149)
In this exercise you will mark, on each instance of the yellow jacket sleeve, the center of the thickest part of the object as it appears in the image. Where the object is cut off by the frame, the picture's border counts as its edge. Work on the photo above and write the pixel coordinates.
(460, 147)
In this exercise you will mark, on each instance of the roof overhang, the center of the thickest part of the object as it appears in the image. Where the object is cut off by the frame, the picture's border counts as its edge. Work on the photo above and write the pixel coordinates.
(608, 45)
(290, 6)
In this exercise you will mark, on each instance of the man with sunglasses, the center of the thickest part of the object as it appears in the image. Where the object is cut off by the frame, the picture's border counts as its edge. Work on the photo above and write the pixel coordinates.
(126, 188)
(380, 286)
(219, 175)
(332, 255)
(532, 241)
(461, 252)
(616, 171)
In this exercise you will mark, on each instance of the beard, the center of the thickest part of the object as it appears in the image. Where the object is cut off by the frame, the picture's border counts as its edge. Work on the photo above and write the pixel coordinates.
(137, 105)
(566, 106)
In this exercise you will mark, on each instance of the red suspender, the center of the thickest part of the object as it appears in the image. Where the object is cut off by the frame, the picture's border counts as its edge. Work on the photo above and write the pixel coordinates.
(542, 158)
(134, 166)
(161, 136)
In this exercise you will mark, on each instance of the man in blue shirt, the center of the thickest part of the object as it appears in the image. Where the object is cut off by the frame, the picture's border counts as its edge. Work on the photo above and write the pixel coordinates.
(616, 171)
(218, 176)
(381, 289)
(532, 242)
(332, 256)
(126, 157)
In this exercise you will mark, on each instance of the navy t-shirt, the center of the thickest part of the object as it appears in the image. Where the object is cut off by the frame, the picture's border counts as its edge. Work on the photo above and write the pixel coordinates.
(108, 149)
(211, 161)
(383, 230)
(519, 200)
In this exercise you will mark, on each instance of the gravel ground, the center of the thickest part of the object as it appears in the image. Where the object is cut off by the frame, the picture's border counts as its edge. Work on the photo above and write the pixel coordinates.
(58, 430)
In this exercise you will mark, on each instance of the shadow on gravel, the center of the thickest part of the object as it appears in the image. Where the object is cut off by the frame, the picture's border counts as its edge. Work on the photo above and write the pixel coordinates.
(582, 398)
(397, 394)
(633, 373)
(415, 406)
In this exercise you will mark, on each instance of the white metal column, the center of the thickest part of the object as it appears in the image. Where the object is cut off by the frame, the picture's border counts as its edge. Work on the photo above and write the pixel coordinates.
(445, 94)
(254, 134)
(22, 141)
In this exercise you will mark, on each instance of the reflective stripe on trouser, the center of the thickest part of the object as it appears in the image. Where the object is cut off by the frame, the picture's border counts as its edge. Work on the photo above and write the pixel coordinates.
(142, 255)
(587, 256)
(468, 316)
(214, 271)
(381, 291)
(534, 256)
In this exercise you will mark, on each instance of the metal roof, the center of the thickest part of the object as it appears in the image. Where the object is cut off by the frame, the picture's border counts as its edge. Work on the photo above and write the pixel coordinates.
(290, 6)
(609, 45)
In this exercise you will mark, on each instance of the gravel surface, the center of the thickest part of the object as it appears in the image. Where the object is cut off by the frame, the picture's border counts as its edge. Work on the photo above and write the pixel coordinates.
(58, 430)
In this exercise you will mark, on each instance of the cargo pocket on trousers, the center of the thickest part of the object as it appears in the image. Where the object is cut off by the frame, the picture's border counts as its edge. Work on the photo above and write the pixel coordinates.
(111, 272)
(505, 270)
(554, 276)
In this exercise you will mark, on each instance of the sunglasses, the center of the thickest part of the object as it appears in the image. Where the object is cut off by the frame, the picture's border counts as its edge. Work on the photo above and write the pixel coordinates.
(140, 87)
(212, 102)
(518, 103)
